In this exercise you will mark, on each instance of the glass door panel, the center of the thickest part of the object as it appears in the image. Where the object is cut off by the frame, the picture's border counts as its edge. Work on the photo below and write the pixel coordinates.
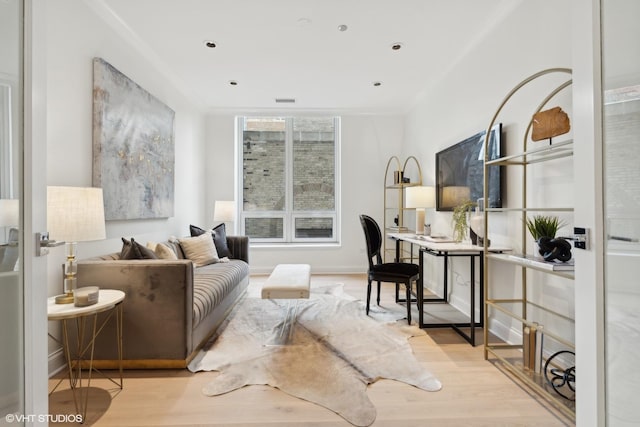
(621, 136)
(11, 278)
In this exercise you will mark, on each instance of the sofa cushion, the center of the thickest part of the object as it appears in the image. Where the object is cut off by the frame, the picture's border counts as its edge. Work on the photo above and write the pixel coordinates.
(219, 234)
(212, 283)
(200, 249)
(134, 250)
(165, 252)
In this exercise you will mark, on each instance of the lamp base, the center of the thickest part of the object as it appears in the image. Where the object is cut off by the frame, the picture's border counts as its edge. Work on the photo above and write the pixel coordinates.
(420, 221)
(64, 298)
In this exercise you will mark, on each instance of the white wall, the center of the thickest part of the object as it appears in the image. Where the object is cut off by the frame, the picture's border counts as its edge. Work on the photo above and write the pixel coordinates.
(532, 37)
(75, 35)
(367, 143)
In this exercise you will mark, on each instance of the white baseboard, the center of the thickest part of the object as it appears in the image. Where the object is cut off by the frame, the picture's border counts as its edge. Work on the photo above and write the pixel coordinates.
(56, 362)
(315, 270)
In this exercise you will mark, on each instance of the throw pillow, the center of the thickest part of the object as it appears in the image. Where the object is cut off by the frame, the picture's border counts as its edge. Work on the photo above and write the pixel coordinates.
(134, 250)
(200, 249)
(142, 252)
(219, 234)
(165, 252)
(127, 251)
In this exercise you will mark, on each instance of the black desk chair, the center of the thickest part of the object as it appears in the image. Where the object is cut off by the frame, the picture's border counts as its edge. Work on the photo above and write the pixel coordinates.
(394, 272)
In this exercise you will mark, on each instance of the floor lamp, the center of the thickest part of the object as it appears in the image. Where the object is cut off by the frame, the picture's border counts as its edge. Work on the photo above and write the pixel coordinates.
(421, 197)
(74, 214)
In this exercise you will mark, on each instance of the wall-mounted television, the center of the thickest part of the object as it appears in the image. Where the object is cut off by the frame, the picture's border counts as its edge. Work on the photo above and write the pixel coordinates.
(460, 170)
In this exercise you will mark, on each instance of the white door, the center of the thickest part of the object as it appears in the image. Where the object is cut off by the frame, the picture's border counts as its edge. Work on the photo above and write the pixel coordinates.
(621, 160)
(12, 372)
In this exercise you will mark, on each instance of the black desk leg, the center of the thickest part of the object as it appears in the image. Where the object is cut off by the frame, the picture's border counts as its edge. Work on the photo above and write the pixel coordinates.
(420, 291)
(398, 260)
(481, 281)
(445, 296)
(473, 300)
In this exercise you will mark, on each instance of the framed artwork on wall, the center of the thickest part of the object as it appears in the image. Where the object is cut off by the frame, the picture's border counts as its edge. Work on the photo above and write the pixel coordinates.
(133, 147)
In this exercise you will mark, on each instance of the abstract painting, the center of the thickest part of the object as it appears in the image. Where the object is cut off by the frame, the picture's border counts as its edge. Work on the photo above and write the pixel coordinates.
(133, 147)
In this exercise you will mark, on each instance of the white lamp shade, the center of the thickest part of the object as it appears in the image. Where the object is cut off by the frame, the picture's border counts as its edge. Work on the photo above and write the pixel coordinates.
(75, 214)
(9, 212)
(455, 195)
(224, 211)
(421, 197)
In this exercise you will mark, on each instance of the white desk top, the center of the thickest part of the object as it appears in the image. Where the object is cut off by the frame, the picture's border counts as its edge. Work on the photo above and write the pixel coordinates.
(443, 246)
(107, 299)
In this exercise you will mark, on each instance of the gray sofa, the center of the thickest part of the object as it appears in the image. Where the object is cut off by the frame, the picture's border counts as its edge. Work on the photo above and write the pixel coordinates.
(171, 308)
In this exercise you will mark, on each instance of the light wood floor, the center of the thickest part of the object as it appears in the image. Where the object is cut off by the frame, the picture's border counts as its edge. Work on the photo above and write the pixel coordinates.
(474, 393)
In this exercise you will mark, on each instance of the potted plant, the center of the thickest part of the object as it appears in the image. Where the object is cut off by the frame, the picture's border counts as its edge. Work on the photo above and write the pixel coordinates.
(459, 220)
(543, 226)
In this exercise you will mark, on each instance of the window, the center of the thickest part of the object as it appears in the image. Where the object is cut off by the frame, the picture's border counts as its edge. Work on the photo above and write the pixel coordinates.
(289, 178)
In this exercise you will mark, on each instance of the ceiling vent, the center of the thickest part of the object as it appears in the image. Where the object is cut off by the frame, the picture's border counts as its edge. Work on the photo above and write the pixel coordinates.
(285, 101)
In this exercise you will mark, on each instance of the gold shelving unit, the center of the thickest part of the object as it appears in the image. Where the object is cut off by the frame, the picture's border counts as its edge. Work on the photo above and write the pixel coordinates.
(516, 359)
(394, 196)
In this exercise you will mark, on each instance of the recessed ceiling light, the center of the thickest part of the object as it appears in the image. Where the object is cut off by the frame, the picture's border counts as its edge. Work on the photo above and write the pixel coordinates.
(210, 44)
(342, 27)
(233, 83)
(376, 84)
(396, 46)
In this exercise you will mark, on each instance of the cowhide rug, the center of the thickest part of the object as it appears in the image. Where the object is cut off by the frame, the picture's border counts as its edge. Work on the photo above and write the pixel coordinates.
(334, 352)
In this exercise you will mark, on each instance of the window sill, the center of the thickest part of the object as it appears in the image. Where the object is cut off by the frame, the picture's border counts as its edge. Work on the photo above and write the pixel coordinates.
(296, 245)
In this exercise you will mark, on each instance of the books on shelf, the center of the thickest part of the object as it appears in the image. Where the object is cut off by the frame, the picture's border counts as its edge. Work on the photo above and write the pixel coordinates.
(541, 263)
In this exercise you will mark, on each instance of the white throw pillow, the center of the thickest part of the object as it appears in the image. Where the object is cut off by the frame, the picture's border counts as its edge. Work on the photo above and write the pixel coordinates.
(200, 249)
(162, 251)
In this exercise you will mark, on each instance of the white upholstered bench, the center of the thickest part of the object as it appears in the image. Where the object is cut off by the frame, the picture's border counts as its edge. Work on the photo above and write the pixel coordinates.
(290, 282)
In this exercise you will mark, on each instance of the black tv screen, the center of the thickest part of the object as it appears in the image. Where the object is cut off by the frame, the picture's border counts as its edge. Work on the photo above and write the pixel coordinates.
(460, 170)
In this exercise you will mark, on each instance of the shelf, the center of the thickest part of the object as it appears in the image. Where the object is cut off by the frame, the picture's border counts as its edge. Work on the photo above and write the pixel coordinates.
(530, 210)
(530, 310)
(532, 263)
(511, 360)
(401, 186)
(394, 209)
(498, 305)
(556, 150)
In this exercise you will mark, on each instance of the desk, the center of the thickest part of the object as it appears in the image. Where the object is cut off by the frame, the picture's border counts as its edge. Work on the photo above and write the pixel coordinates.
(447, 250)
(108, 301)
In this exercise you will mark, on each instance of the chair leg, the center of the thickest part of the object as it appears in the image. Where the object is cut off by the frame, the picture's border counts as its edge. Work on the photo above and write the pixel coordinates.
(368, 295)
(408, 287)
(378, 300)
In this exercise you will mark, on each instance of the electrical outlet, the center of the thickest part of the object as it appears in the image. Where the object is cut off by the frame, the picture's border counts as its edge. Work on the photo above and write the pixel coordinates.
(581, 238)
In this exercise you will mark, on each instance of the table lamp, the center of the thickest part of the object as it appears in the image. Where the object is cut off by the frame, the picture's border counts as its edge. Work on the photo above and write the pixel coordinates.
(224, 211)
(421, 197)
(74, 214)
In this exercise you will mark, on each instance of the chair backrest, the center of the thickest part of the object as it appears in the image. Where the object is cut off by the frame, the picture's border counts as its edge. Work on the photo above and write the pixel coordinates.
(373, 236)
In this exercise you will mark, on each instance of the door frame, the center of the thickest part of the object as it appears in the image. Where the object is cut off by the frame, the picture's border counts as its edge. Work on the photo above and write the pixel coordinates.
(589, 212)
(34, 196)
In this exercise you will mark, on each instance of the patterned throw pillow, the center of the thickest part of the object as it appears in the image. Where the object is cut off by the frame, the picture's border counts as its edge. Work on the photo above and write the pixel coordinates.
(219, 234)
(200, 249)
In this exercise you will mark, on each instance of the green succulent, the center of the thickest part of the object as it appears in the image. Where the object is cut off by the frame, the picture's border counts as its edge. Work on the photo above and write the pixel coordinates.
(543, 226)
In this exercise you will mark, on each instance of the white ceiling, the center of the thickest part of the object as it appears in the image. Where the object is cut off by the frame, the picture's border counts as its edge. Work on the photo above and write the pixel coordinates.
(293, 48)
